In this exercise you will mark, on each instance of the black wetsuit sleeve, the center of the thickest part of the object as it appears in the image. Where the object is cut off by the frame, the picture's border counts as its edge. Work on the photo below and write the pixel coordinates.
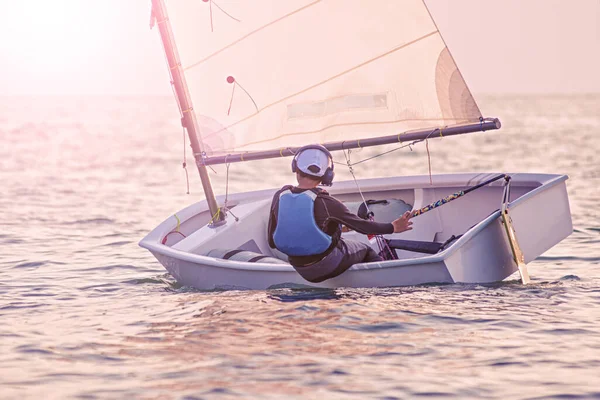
(338, 212)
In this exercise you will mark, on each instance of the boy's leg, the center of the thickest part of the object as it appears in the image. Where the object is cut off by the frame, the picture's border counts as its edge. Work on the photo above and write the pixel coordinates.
(353, 252)
(346, 254)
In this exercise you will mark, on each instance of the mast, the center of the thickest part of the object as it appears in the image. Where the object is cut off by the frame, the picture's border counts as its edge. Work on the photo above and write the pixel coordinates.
(188, 121)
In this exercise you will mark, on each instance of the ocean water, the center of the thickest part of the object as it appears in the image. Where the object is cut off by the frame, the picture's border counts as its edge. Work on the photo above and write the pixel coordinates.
(86, 313)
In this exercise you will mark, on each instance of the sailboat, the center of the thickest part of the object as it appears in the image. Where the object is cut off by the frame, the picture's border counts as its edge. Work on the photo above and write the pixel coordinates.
(259, 79)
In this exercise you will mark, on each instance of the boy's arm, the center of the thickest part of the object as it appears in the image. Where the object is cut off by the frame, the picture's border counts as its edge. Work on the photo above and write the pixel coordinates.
(339, 212)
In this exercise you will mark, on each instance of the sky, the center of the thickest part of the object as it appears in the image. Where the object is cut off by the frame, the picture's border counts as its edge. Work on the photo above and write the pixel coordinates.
(91, 47)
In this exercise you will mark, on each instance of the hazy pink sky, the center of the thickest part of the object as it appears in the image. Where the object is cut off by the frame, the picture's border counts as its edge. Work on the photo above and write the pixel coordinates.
(106, 47)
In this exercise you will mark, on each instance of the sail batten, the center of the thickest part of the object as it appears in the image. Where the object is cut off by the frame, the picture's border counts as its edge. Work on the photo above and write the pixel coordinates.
(272, 74)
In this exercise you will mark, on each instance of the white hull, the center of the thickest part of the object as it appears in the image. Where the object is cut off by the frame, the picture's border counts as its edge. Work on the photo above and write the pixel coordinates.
(539, 208)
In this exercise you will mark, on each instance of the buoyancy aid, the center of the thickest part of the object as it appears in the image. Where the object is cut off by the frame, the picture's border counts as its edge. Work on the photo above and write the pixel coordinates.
(297, 233)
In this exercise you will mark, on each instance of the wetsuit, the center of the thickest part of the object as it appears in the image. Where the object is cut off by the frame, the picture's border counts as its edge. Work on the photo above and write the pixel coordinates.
(330, 214)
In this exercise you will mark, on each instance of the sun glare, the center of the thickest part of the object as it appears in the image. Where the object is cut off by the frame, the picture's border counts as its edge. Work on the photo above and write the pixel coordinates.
(54, 35)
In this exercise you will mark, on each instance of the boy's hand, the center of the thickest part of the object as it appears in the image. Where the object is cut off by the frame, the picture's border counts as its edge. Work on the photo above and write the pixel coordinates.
(403, 223)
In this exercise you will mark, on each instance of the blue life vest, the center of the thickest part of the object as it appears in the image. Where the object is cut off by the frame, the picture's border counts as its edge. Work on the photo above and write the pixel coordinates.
(297, 233)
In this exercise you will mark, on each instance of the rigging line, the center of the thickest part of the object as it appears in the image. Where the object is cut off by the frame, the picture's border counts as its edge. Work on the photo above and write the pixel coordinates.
(181, 116)
(227, 183)
(253, 102)
(225, 12)
(225, 208)
(250, 34)
(177, 64)
(164, 240)
(187, 178)
(354, 177)
(381, 243)
(385, 248)
(231, 100)
(216, 216)
(387, 53)
(429, 161)
(386, 152)
(211, 17)
(394, 149)
(178, 222)
(174, 92)
(184, 164)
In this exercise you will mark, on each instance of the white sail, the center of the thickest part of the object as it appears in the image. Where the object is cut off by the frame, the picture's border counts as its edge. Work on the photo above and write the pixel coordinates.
(271, 74)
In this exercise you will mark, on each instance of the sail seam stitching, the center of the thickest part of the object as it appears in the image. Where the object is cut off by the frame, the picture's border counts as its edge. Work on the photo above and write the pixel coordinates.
(333, 77)
(250, 34)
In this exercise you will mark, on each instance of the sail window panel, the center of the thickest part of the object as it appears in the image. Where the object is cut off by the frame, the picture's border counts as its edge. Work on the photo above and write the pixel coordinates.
(337, 104)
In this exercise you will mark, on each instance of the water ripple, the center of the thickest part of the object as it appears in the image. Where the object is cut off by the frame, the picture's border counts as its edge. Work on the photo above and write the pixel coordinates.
(86, 313)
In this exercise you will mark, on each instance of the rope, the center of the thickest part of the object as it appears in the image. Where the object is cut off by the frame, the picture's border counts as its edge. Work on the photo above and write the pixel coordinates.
(409, 145)
(428, 161)
(253, 102)
(164, 240)
(231, 100)
(187, 178)
(369, 213)
(181, 115)
(178, 223)
(354, 177)
(381, 242)
(211, 2)
(216, 216)
(227, 183)
(182, 118)
(381, 154)
(225, 208)
(211, 16)
(225, 12)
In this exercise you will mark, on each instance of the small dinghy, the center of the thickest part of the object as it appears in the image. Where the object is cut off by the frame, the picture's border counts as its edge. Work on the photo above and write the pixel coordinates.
(269, 76)
(237, 255)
